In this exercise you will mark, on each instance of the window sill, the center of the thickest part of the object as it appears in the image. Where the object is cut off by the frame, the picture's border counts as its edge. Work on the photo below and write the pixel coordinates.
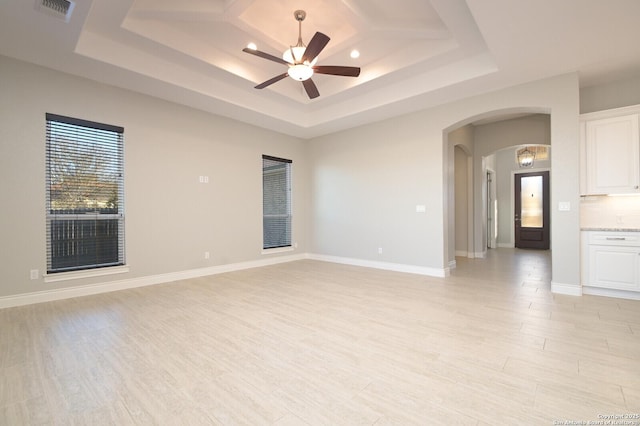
(277, 250)
(89, 273)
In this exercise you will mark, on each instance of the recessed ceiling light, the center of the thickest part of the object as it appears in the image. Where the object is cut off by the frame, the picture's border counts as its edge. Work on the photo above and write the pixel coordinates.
(252, 46)
(355, 54)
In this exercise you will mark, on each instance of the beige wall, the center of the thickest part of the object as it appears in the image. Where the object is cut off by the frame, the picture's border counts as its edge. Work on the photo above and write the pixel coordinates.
(171, 218)
(613, 94)
(506, 168)
(460, 195)
(367, 181)
(355, 191)
(500, 137)
(461, 207)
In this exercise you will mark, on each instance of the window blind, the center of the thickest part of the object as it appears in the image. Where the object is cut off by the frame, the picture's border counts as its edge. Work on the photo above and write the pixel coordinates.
(84, 194)
(276, 202)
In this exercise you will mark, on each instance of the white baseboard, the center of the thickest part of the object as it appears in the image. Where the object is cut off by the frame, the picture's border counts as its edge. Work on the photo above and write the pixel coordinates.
(452, 264)
(609, 292)
(461, 253)
(506, 245)
(567, 289)
(480, 254)
(397, 267)
(86, 290)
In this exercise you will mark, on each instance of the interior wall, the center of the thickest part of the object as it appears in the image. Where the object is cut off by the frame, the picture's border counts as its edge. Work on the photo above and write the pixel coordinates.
(461, 202)
(504, 189)
(506, 167)
(461, 138)
(613, 94)
(171, 218)
(488, 168)
(366, 184)
(355, 191)
(495, 140)
(367, 181)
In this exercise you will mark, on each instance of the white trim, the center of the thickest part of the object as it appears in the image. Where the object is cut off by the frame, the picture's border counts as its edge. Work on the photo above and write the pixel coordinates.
(568, 289)
(86, 273)
(86, 290)
(397, 267)
(452, 264)
(506, 245)
(277, 250)
(614, 112)
(610, 292)
(480, 254)
(461, 253)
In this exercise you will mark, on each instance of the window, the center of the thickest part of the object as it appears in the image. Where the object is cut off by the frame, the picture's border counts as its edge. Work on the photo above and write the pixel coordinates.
(276, 202)
(85, 193)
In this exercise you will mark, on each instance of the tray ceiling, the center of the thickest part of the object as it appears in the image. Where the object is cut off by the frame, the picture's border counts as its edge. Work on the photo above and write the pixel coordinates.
(413, 53)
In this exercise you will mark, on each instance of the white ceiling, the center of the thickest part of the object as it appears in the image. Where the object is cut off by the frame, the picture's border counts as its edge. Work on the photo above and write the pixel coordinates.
(414, 53)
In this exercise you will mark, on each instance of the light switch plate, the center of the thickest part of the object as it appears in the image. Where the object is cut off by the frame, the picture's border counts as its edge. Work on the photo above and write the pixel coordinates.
(420, 208)
(564, 206)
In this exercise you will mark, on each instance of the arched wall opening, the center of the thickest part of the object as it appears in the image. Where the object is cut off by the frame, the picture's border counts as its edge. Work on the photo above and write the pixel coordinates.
(480, 137)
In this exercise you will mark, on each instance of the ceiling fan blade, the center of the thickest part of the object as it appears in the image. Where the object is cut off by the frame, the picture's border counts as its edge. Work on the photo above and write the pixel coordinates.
(265, 56)
(271, 81)
(317, 43)
(337, 70)
(311, 88)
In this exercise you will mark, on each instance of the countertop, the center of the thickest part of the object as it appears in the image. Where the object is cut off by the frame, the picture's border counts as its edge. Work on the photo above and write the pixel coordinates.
(611, 229)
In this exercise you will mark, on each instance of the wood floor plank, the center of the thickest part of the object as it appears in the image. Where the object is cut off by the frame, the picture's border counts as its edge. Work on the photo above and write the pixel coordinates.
(310, 343)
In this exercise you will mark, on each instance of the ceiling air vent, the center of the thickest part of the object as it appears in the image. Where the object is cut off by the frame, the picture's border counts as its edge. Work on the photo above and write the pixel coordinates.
(58, 8)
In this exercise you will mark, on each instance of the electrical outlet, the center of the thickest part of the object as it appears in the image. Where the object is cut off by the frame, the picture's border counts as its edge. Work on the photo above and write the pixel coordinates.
(379, 250)
(207, 255)
(34, 274)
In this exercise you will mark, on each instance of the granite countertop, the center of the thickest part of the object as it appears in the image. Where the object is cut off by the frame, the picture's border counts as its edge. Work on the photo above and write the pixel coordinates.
(610, 229)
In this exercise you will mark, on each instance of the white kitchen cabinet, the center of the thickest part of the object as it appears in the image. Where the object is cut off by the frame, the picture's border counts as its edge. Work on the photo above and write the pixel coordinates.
(611, 260)
(610, 152)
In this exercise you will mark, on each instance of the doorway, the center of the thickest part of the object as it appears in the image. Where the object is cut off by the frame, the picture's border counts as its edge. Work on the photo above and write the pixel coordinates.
(492, 210)
(532, 210)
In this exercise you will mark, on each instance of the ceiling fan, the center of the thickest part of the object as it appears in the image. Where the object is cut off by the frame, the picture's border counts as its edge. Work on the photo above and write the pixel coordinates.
(302, 59)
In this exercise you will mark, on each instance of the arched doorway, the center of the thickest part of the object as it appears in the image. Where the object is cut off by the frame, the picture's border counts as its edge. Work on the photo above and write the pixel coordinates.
(480, 138)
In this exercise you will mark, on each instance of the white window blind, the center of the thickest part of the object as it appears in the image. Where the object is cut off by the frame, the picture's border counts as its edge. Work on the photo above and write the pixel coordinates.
(84, 194)
(276, 202)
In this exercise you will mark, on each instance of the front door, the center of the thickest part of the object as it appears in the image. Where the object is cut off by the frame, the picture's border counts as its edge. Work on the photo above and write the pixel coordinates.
(532, 210)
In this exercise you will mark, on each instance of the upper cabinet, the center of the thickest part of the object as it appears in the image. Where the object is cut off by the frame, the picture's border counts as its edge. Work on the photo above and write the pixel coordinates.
(610, 152)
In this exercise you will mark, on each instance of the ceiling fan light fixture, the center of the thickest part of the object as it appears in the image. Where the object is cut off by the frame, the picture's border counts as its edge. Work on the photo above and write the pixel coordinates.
(300, 72)
(301, 60)
(294, 54)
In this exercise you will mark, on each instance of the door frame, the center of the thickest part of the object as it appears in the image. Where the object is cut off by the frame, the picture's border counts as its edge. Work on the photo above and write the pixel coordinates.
(512, 231)
(492, 213)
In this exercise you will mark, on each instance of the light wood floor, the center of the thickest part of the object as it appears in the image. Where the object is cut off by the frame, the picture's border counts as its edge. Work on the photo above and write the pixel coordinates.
(311, 342)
